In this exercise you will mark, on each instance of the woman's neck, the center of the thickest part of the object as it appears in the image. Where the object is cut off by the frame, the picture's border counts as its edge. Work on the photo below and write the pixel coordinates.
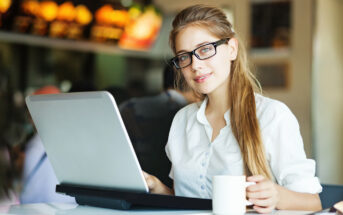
(218, 103)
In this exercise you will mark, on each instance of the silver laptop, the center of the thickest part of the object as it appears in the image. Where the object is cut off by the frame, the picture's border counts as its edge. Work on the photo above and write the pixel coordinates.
(91, 153)
(86, 141)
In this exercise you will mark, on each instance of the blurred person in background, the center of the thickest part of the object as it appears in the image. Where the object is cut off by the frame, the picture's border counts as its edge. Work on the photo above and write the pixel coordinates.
(7, 194)
(12, 137)
(82, 86)
(39, 180)
(136, 88)
(148, 120)
(120, 94)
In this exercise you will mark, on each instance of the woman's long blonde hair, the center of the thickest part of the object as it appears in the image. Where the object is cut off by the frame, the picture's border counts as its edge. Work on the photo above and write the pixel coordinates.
(242, 85)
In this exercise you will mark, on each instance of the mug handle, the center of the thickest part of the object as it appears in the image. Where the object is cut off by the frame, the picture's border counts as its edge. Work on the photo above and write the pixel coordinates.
(247, 184)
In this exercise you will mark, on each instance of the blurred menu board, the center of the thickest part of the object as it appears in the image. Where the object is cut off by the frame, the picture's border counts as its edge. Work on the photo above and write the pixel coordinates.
(134, 27)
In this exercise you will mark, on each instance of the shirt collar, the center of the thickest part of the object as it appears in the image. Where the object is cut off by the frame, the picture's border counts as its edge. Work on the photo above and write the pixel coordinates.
(227, 117)
(201, 117)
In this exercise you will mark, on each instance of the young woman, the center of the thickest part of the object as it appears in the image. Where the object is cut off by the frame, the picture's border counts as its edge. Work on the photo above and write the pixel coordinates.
(234, 130)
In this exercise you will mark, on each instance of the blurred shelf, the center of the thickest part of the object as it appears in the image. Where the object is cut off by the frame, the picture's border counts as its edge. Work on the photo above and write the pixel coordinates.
(266, 1)
(75, 45)
(270, 54)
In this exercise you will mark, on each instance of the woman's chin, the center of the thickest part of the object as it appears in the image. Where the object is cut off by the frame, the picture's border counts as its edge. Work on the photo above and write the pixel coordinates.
(203, 90)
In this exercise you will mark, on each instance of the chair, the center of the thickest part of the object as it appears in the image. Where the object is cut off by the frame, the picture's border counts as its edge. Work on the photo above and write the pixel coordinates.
(331, 194)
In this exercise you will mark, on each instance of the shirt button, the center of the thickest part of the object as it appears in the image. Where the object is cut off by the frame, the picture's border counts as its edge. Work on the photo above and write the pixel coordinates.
(207, 153)
(201, 176)
(203, 164)
(202, 187)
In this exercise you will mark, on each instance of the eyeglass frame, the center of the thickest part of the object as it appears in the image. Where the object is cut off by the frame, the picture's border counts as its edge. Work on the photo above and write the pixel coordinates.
(191, 53)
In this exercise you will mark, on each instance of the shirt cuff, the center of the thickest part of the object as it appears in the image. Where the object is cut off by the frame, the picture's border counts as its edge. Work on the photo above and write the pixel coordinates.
(305, 185)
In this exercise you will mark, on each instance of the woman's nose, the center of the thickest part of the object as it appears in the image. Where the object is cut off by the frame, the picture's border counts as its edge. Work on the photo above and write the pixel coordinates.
(196, 63)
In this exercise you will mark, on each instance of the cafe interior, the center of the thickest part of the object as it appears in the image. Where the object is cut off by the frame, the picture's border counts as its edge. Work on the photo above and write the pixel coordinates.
(295, 48)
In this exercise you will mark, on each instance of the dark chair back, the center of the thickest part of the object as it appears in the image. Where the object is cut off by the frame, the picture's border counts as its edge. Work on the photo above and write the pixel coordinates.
(331, 194)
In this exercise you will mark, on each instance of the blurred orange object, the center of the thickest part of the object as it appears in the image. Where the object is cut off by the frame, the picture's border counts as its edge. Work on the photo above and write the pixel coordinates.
(48, 10)
(58, 29)
(102, 14)
(102, 33)
(110, 23)
(142, 32)
(83, 15)
(49, 89)
(30, 7)
(106, 15)
(119, 18)
(66, 12)
(75, 31)
(4, 5)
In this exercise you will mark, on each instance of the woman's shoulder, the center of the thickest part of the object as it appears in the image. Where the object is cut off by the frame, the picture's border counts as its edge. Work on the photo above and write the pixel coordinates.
(188, 110)
(182, 118)
(268, 109)
(264, 104)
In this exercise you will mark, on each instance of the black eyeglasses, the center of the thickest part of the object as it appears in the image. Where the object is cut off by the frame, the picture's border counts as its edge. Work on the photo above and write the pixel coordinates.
(202, 53)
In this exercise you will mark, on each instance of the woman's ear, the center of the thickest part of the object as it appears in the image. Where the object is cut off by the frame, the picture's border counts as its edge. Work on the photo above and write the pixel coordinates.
(233, 48)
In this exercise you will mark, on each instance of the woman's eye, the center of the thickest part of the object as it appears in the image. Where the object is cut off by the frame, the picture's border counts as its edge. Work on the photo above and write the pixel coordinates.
(205, 49)
(183, 58)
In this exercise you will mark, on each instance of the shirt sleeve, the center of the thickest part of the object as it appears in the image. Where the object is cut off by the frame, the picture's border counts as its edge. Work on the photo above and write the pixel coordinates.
(171, 175)
(175, 138)
(174, 133)
(286, 155)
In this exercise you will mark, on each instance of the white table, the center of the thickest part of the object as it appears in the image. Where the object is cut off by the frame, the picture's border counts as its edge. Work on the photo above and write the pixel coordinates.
(74, 209)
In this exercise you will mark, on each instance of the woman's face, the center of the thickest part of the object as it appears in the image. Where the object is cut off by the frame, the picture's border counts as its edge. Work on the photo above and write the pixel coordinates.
(210, 75)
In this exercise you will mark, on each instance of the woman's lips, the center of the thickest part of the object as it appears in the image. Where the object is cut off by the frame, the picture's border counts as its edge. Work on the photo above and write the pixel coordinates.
(202, 78)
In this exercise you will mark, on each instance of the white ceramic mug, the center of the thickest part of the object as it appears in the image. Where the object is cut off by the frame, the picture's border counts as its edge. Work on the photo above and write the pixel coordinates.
(229, 194)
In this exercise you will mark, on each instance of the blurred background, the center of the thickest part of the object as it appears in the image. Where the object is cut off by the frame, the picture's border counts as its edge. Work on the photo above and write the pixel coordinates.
(295, 48)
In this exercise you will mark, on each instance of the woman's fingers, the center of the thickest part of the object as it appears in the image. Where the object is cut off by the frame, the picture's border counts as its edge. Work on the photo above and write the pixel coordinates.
(260, 194)
(263, 194)
(263, 210)
(146, 175)
(263, 202)
(149, 180)
(262, 190)
(155, 185)
(255, 178)
(261, 184)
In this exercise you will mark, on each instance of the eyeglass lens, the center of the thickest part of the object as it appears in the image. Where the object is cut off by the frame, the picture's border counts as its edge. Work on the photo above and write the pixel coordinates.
(202, 53)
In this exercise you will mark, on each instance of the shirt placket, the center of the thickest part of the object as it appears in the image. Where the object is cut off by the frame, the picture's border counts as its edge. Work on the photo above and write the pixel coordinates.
(204, 162)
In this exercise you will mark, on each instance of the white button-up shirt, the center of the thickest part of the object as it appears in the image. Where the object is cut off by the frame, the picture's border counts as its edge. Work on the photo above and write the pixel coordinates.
(195, 159)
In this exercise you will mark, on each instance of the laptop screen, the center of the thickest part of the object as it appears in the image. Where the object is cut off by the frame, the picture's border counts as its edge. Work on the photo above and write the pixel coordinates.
(86, 140)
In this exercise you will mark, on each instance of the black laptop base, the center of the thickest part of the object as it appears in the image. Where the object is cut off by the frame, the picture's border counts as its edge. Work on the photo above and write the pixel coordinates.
(119, 199)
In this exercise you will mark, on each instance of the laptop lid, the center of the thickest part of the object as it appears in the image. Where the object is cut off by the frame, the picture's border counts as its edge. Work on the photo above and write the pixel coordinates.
(86, 141)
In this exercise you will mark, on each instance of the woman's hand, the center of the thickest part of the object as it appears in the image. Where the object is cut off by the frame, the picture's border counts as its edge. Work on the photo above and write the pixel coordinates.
(156, 186)
(264, 194)
(152, 182)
